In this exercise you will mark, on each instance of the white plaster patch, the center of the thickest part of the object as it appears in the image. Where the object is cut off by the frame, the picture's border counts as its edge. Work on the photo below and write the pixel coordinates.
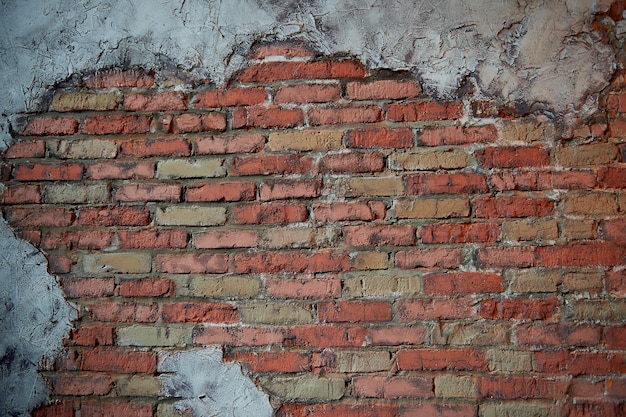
(34, 318)
(210, 387)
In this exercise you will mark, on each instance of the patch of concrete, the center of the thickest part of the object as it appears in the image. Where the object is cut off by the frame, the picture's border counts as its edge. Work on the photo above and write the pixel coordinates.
(34, 318)
(209, 387)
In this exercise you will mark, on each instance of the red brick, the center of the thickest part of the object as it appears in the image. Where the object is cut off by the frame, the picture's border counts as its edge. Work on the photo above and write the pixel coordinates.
(230, 143)
(229, 97)
(396, 335)
(269, 72)
(118, 360)
(303, 286)
(513, 157)
(424, 110)
(78, 287)
(617, 102)
(26, 149)
(267, 117)
(541, 180)
(167, 100)
(199, 312)
(292, 261)
(151, 239)
(352, 163)
(323, 336)
(521, 387)
(120, 170)
(345, 115)
(147, 287)
(434, 309)
(195, 263)
(616, 387)
(91, 336)
(557, 335)
(106, 124)
(346, 409)
(116, 77)
(278, 362)
(60, 264)
(439, 410)
(594, 409)
(221, 191)
(189, 122)
(80, 385)
(115, 408)
(614, 177)
(380, 235)
(338, 211)
(459, 183)
(80, 239)
(562, 362)
(123, 312)
(512, 207)
(220, 239)
(495, 257)
(239, 336)
(393, 387)
(21, 194)
(56, 409)
(380, 138)
(458, 135)
(441, 359)
(48, 172)
(460, 233)
(458, 283)
(583, 254)
(345, 311)
(39, 217)
(271, 164)
(114, 216)
(615, 283)
(429, 258)
(382, 89)
(520, 308)
(269, 213)
(614, 231)
(307, 93)
(290, 190)
(50, 126)
(148, 192)
(5, 171)
(155, 147)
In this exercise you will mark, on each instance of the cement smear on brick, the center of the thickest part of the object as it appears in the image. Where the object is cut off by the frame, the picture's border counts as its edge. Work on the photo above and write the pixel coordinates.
(34, 318)
(209, 387)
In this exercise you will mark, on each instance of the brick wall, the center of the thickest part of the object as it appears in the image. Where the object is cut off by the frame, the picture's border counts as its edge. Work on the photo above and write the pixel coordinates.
(362, 248)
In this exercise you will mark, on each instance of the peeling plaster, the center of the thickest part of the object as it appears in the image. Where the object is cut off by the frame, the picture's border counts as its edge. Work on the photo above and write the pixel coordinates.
(209, 387)
(34, 318)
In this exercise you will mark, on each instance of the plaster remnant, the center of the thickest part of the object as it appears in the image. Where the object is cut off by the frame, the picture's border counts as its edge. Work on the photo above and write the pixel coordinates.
(209, 387)
(34, 318)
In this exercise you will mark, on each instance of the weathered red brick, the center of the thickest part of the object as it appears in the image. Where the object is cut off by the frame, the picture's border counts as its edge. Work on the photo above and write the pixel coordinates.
(118, 360)
(114, 216)
(441, 359)
(457, 283)
(513, 156)
(379, 138)
(458, 135)
(271, 164)
(155, 147)
(380, 235)
(512, 207)
(429, 258)
(106, 124)
(424, 110)
(460, 233)
(21, 194)
(434, 309)
(290, 190)
(221, 191)
(91, 336)
(199, 312)
(307, 93)
(116, 77)
(48, 172)
(167, 100)
(348, 311)
(79, 287)
(148, 192)
(230, 143)
(115, 408)
(269, 213)
(26, 149)
(290, 261)
(520, 308)
(147, 287)
(295, 70)
(277, 362)
(120, 170)
(267, 117)
(345, 115)
(50, 126)
(151, 239)
(196, 263)
(457, 183)
(39, 216)
(339, 211)
(522, 387)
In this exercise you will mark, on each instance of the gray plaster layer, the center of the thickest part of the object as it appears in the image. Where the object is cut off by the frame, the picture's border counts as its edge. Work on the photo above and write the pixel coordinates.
(209, 387)
(527, 50)
(34, 318)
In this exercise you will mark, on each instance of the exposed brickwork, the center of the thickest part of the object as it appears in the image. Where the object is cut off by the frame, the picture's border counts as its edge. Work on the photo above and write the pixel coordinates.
(340, 233)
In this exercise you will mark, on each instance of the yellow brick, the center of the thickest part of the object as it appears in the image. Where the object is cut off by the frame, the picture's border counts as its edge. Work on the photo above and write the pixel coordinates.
(139, 335)
(305, 140)
(371, 361)
(537, 230)
(586, 155)
(501, 360)
(369, 260)
(191, 216)
(429, 159)
(382, 283)
(119, 262)
(218, 286)
(76, 193)
(137, 386)
(303, 388)
(453, 386)
(519, 409)
(275, 313)
(81, 101)
(190, 168)
(432, 208)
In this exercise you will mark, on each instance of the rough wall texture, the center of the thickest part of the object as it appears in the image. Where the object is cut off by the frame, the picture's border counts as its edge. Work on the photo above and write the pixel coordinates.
(362, 248)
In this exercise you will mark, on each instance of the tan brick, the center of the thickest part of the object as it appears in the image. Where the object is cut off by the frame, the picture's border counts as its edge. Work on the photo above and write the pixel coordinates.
(474, 333)
(455, 386)
(190, 168)
(582, 281)
(75, 193)
(369, 260)
(119, 262)
(305, 140)
(429, 159)
(432, 208)
(81, 101)
(579, 229)
(589, 203)
(382, 283)
(168, 410)
(501, 360)
(275, 313)
(519, 409)
(83, 149)
(596, 310)
(374, 186)
(139, 335)
(530, 130)
(304, 388)
(287, 237)
(533, 229)
(621, 202)
(191, 216)
(370, 361)
(533, 280)
(218, 286)
(586, 155)
(137, 386)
